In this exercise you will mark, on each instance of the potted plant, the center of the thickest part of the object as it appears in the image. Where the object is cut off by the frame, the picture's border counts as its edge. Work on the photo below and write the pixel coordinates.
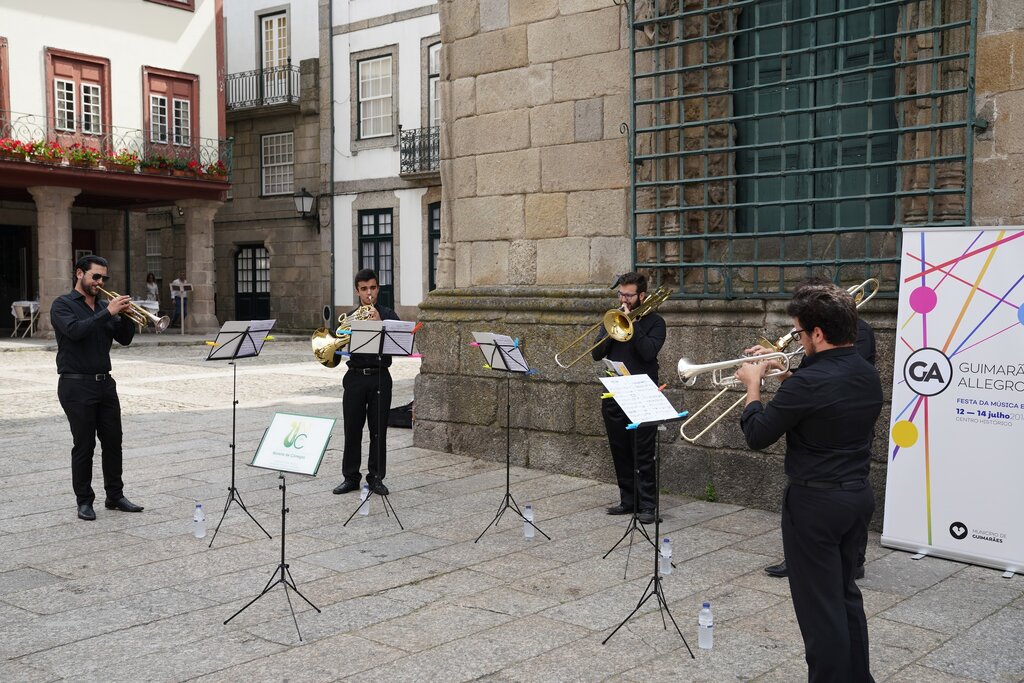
(124, 161)
(156, 164)
(81, 156)
(195, 168)
(12, 149)
(180, 168)
(217, 170)
(45, 152)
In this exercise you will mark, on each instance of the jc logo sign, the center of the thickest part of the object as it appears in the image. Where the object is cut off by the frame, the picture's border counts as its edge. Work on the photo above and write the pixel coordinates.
(928, 372)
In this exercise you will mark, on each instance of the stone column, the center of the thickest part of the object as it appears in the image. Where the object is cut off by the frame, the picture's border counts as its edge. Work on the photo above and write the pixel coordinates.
(53, 218)
(200, 268)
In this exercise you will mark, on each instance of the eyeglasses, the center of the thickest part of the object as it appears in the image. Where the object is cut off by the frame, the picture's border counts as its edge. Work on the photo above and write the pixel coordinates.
(626, 295)
(796, 334)
(96, 277)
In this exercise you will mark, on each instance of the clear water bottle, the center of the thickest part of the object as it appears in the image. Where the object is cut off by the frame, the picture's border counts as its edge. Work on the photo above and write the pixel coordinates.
(528, 524)
(364, 505)
(199, 522)
(666, 556)
(705, 628)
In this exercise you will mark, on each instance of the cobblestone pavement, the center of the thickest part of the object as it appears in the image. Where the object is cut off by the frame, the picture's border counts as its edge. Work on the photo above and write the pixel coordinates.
(134, 597)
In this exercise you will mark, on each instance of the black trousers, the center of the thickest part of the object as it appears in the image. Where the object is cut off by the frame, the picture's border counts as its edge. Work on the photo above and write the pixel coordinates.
(823, 531)
(93, 409)
(620, 441)
(367, 398)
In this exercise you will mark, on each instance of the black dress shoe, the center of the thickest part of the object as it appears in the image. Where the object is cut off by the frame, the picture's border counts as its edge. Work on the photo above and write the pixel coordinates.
(647, 517)
(378, 487)
(777, 570)
(347, 486)
(619, 509)
(122, 504)
(86, 512)
(858, 573)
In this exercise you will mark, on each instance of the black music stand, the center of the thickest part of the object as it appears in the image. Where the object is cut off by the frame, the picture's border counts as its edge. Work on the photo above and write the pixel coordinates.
(237, 339)
(381, 338)
(634, 525)
(503, 353)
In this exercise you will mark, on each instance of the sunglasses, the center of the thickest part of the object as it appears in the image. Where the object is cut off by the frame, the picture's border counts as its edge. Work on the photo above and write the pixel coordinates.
(96, 277)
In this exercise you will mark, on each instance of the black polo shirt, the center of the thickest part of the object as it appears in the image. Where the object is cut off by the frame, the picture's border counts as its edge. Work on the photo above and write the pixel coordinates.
(85, 335)
(639, 354)
(368, 360)
(827, 412)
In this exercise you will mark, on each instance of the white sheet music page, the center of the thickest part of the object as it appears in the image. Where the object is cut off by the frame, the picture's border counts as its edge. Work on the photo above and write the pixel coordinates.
(639, 398)
(513, 354)
(253, 342)
(398, 337)
(618, 367)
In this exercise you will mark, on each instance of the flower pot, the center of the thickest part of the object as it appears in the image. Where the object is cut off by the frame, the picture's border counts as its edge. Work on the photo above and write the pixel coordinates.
(182, 173)
(8, 155)
(120, 168)
(153, 170)
(40, 159)
(82, 163)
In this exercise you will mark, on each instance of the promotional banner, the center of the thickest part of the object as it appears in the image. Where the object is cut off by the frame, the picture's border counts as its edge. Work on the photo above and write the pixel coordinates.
(956, 439)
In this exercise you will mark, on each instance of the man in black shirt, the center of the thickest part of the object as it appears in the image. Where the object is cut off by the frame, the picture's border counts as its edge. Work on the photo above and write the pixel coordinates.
(640, 356)
(85, 327)
(367, 398)
(827, 411)
(865, 345)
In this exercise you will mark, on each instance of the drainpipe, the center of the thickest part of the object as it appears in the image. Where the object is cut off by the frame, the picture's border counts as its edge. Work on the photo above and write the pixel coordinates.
(127, 253)
(330, 56)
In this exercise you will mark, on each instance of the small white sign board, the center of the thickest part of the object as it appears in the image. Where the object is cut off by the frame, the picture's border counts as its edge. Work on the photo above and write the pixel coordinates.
(639, 398)
(294, 443)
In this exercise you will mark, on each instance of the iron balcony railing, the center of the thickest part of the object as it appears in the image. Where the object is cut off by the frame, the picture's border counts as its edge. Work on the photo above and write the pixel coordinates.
(263, 87)
(39, 139)
(421, 150)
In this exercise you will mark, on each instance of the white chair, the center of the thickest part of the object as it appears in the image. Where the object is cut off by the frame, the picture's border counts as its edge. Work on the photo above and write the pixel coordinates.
(25, 315)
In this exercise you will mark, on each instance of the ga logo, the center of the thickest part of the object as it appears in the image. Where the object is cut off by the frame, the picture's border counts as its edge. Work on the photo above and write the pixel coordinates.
(958, 530)
(927, 372)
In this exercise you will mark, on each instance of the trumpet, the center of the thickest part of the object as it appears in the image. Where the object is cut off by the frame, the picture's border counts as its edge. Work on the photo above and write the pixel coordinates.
(688, 372)
(326, 345)
(139, 315)
(617, 324)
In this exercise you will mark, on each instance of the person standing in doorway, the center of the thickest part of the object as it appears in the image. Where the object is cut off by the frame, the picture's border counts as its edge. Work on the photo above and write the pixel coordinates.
(180, 288)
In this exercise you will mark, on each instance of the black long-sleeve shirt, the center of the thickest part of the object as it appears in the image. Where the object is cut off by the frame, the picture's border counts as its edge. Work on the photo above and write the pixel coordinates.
(85, 335)
(827, 412)
(639, 354)
(370, 360)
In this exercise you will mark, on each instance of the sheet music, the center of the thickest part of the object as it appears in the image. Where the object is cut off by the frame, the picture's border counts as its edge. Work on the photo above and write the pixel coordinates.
(234, 342)
(618, 367)
(398, 337)
(510, 356)
(253, 342)
(639, 398)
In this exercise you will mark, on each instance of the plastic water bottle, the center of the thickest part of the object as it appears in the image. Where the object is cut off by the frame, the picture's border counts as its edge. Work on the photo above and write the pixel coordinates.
(666, 556)
(528, 524)
(364, 505)
(199, 522)
(705, 628)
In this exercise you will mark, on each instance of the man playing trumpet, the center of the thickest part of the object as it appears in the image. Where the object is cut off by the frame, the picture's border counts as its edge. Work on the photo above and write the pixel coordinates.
(827, 411)
(640, 356)
(85, 328)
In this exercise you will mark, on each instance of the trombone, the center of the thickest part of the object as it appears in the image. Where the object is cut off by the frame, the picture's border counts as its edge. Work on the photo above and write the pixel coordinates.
(139, 315)
(688, 372)
(617, 324)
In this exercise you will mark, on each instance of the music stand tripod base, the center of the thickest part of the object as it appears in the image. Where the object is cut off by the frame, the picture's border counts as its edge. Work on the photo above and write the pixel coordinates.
(282, 573)
(387, 506)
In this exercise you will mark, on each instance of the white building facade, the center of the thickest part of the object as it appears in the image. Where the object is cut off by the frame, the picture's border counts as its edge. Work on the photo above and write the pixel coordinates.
(108, 109)
(386, 116)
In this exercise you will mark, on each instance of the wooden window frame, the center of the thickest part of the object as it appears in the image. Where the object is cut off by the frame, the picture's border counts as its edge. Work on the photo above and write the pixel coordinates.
(5, 81)
(148, 72)
(102, 63)
(263, 165)
(187, 5)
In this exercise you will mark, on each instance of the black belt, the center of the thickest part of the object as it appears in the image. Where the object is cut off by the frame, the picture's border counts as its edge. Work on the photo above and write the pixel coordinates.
(98, 377)
(852, 484)
(366, 371)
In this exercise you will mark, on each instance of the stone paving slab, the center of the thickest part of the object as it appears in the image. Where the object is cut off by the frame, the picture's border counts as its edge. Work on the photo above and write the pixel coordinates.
(135, 597)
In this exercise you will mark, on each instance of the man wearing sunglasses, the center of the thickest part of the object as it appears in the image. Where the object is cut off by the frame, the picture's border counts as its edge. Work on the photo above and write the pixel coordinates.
(86, 326)
(827, 411)
(640, 356)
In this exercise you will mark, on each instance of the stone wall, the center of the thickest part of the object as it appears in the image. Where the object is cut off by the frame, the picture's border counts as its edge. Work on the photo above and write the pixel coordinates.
(531, 195)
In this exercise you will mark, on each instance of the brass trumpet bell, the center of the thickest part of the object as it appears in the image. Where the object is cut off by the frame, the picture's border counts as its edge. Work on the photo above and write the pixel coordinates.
(139, 315)
(326, 346)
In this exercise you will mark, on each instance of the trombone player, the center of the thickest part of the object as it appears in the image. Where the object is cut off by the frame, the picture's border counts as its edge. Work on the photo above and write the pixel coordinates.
(640, 356)
(827, 411)
(85, 326)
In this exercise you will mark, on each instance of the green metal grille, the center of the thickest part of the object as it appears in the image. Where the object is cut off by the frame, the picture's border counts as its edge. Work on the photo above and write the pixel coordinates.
(775, 139)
